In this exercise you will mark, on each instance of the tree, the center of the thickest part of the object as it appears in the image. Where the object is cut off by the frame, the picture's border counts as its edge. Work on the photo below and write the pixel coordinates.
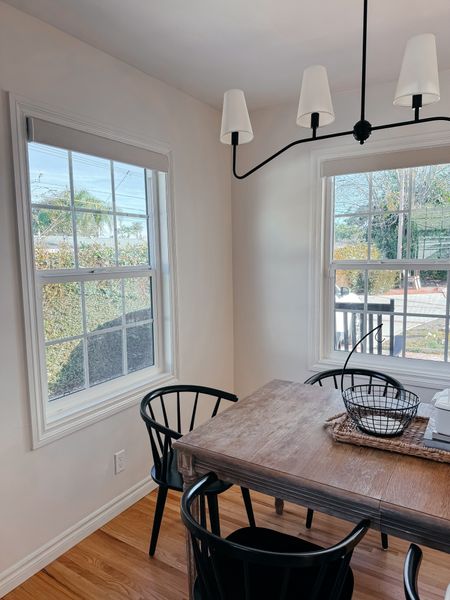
(50, 222)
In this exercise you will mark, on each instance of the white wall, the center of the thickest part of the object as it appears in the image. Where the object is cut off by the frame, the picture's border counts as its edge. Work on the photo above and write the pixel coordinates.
(271, 233)
(46, 491)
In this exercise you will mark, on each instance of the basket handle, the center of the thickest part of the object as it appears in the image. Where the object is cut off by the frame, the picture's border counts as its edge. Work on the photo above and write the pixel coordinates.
(354, 348)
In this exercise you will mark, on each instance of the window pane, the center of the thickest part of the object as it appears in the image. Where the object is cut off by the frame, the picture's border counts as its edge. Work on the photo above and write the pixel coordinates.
(350, 238)
(349, 305)
(132, 241)
(138, 304)
(61, 305)
(386, 287)
(431, 185)
(103, 301)
(388, 239)
(95, 237)
(53, 239)
(427, 292)
(390, 190)
(129, 189)
(430, 232)
(140, 347)
(49, 175)
(425, 338)
(386, 296)
(91, 182)
(65, 368)
(105, 356)
(351, 193)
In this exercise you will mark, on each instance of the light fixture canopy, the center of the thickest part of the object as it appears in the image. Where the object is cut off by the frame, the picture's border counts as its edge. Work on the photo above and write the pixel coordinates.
(315, 97)
(235, 118)
(419, 72)
(418, 85)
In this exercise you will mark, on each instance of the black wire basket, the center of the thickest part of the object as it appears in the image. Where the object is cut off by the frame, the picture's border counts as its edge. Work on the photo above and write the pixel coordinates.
(382, 410)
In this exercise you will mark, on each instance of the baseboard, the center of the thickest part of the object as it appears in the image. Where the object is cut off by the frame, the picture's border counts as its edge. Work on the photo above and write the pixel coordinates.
(37, 560)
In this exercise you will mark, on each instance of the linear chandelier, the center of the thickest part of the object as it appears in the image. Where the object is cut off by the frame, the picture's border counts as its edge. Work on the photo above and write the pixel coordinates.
(418, 85)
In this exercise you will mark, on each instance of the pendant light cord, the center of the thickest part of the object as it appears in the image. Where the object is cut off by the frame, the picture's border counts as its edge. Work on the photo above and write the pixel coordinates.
(364, 63)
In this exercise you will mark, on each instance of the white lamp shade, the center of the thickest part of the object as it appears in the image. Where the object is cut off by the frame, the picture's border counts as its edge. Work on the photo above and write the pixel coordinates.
(419, 72)
(235, 118)
(315, 97)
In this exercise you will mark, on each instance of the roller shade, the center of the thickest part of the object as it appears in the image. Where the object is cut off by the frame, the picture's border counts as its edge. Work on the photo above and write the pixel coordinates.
(387, 160)
(52, 134)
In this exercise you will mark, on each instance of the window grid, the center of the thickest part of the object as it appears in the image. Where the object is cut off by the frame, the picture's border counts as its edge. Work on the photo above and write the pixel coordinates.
(402, 264)
(117, 271)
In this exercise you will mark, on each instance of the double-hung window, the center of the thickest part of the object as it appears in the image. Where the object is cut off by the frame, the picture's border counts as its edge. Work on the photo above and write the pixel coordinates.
(389, 262)
(94, 216)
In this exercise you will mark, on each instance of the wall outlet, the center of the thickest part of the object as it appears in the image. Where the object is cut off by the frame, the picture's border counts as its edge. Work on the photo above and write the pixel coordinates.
(120, 461)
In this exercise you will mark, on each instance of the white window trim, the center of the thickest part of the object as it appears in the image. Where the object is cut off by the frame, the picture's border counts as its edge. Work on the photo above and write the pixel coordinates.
(114, 396)
(413, 372)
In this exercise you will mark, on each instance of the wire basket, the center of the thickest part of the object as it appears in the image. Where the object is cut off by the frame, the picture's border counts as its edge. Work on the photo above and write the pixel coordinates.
(381, 410)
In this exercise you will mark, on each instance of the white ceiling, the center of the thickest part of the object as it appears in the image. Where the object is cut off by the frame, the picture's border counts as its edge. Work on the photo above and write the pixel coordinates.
(262, 46)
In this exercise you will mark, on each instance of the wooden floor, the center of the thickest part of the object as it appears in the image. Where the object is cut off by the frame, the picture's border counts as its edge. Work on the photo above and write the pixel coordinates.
(113, 564)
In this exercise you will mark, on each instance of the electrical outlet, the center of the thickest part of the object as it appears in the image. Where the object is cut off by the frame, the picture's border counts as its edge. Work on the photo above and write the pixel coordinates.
(120, 461)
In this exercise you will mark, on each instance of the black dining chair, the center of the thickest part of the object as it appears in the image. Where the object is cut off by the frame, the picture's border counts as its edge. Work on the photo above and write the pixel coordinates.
(258, 563)
(168, 412)
(411, 572)
(333, 376)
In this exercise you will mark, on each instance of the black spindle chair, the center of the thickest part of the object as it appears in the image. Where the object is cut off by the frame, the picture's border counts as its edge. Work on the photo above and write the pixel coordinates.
(411, 572)
(333, 376)
(256, 563)
(159, 409)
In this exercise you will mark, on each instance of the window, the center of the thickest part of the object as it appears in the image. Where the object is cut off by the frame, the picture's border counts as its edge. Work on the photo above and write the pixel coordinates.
(94, 213)
(390, 261)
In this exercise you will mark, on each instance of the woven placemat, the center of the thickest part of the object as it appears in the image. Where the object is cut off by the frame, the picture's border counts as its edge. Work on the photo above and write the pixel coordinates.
(342, 429)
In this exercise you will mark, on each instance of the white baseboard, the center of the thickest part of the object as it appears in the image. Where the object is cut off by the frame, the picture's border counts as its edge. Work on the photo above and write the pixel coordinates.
(37, 560)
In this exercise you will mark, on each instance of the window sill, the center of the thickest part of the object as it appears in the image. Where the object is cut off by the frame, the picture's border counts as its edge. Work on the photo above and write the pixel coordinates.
(70, 416)
(410, 372)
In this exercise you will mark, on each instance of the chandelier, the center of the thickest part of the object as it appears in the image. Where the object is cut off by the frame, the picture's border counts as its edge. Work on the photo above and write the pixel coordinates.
(418, 85)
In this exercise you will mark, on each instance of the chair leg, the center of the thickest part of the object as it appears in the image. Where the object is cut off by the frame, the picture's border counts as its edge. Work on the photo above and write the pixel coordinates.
(384, 541)
(159, 510)
(248, 506)
(201, 502)
(279, 506)
(309, 518)
(213, 507)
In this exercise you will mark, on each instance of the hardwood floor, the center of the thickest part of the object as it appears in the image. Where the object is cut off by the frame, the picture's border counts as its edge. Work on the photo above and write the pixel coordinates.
(113, 563)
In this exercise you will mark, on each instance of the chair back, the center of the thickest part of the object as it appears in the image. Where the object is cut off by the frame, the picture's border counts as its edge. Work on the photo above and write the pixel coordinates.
(333, 376)
(411, 572)
(171, 411)
(230, 571)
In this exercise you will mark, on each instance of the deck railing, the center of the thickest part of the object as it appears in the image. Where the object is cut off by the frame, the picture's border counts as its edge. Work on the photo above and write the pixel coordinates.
(357, 322)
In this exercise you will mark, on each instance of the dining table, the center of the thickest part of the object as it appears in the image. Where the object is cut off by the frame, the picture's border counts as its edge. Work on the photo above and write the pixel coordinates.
(276, 441)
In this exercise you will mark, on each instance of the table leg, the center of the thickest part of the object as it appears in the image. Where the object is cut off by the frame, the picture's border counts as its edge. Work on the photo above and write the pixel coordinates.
(186, 468)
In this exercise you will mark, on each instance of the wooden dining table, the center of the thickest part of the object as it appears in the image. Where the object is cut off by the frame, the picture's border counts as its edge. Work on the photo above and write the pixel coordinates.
(275, 441)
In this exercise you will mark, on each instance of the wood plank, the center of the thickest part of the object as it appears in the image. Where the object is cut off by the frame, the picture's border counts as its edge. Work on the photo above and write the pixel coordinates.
(110, 560)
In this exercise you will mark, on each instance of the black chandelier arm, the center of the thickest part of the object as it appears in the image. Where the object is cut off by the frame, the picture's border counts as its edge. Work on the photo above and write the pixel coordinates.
(411, 122)
(291, 145)
(326, 137)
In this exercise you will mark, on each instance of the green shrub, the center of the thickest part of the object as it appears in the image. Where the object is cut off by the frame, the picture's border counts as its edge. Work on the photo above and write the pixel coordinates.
(379, 281)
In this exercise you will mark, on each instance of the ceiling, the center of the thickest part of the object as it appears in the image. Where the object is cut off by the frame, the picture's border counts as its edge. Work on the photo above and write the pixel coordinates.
(204, 47)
